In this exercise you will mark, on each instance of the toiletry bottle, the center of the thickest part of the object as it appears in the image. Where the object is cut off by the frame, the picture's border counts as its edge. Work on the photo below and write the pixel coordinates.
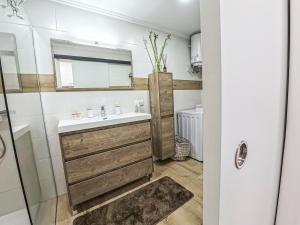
(90, 113)
(136, 106)
(76, 115)
(103, 113)
(141, 105)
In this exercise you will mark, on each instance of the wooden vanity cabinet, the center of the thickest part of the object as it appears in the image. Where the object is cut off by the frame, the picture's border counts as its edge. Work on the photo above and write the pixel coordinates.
(162, 111)
(100, 160)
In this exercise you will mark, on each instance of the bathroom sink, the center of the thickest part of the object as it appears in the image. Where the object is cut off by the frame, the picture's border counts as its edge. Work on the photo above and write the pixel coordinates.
(87, 123)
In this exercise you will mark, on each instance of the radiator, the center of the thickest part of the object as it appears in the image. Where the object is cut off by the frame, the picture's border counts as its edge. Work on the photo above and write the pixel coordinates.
(190, 124)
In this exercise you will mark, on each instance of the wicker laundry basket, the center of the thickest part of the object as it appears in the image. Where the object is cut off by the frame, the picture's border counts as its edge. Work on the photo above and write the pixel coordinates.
(182, 149)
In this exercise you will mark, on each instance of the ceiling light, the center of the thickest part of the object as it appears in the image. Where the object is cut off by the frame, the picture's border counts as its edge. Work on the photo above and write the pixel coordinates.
(184, 1)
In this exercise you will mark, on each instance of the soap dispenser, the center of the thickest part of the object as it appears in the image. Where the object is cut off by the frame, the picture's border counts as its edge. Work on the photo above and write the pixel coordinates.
(139, 104)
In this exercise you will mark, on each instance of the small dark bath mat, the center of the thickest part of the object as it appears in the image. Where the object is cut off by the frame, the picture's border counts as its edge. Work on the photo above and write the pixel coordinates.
(146, 206)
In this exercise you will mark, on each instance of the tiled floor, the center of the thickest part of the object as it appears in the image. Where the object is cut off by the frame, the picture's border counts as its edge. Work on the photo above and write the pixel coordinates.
(188, 173)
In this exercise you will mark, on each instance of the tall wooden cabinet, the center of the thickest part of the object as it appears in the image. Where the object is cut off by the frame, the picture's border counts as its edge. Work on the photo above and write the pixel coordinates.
(162, 110)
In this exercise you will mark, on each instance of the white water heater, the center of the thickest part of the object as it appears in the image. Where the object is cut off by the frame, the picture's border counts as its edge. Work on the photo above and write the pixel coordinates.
(196, 56)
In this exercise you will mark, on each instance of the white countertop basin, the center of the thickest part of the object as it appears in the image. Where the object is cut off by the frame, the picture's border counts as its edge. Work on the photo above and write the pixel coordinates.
(88, 123)
(20, 130)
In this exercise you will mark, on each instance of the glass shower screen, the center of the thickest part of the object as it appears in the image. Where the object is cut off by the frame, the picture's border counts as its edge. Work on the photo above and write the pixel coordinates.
(28, 136)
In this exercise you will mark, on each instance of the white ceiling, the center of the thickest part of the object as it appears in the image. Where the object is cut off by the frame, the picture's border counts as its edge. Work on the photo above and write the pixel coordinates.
(181, 17)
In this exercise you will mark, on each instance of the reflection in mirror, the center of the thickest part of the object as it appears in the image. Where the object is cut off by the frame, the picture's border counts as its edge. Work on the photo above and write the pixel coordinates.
(91, 67)
(9, 59)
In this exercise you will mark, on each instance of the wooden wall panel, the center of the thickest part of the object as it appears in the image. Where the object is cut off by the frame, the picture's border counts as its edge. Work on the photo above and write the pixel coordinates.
(187, 85)
(47, 83)
(30, 83)
(140, 83)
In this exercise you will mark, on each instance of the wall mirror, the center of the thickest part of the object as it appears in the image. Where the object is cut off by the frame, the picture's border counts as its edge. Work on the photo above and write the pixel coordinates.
(9, 60)
(79, 66)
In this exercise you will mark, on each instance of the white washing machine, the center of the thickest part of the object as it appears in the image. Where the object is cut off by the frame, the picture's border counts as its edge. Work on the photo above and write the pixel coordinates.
(190, 126)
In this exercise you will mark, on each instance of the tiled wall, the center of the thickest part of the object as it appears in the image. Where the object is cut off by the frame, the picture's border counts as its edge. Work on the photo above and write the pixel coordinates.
(52, 20)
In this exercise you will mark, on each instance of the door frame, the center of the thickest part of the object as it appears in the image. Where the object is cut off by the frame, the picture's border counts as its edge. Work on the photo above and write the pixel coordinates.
(286, 102)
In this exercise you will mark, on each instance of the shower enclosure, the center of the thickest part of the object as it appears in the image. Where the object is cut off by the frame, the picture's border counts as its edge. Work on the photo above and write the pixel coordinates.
(28, 193)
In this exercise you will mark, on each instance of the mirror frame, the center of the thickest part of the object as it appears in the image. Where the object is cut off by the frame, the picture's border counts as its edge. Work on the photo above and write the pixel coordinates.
(20, 89)
(96, 45)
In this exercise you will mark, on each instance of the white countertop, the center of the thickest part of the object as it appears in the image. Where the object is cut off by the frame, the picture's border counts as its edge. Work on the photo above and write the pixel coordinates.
(88, 123)
(20, 130)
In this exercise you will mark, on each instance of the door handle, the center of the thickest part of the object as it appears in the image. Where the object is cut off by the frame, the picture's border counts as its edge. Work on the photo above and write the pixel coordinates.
(241, 155)
(3, 149)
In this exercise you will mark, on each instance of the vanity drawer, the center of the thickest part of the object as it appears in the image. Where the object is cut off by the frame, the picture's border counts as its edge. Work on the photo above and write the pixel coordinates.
(80, 144)
(91, 166)
(107, 182)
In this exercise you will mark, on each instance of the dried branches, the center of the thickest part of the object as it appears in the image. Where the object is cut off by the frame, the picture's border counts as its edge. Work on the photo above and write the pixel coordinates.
(157, 57)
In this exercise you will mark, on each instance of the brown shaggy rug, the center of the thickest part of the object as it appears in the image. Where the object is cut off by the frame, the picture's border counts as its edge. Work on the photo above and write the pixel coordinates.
(146, 206)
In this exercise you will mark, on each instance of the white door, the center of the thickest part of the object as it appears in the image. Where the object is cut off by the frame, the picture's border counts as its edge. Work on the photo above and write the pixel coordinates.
(253, 74)
(289, 199)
